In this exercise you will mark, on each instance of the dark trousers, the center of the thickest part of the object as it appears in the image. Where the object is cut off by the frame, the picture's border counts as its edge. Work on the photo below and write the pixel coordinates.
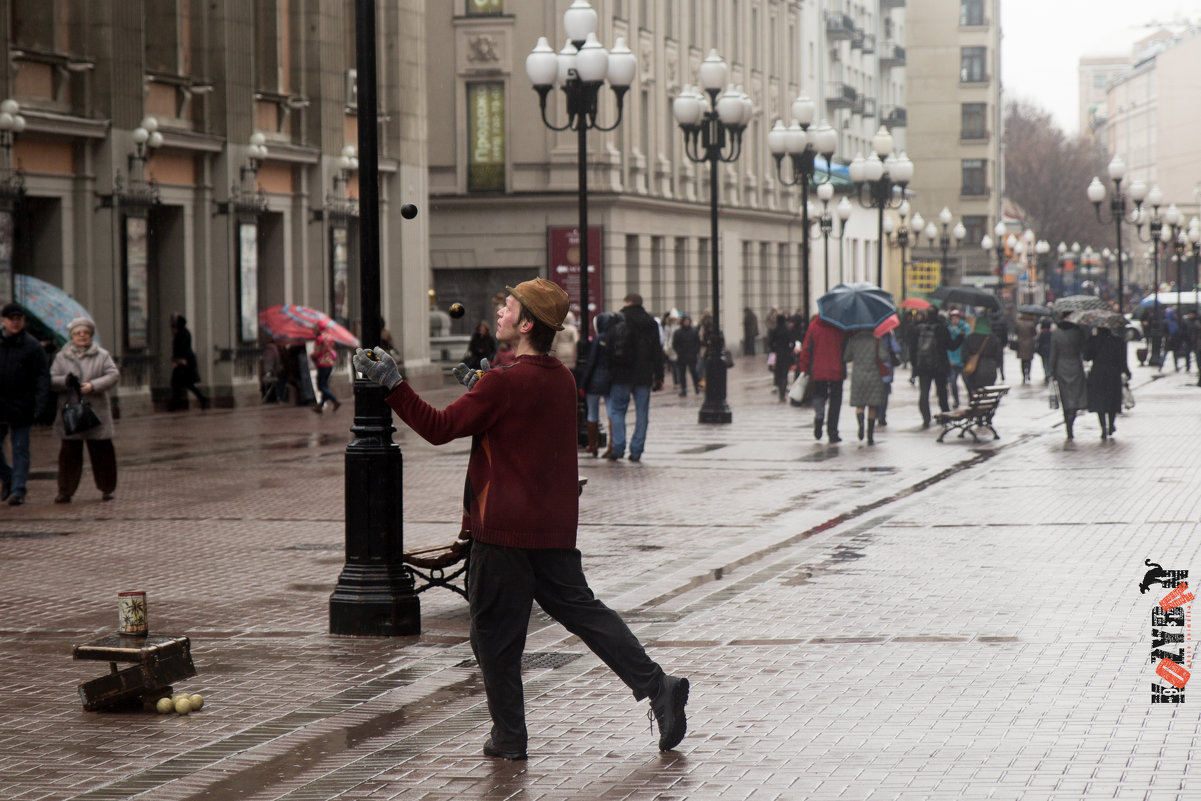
(828, 395)
(323, 374)
(684, 368)
(502, 584)
(183, 380)
(70, 465)
(923, 398)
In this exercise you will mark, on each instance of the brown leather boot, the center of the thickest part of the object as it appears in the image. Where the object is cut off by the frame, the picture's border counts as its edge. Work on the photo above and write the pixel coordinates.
(593, 433)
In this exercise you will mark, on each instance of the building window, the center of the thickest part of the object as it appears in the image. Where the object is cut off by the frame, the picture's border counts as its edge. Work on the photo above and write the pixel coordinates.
(974, 121)
(1100, 81)
(486, 137)
(974, 179)
(971, 12)
(972, 64)
(483, 8)
(273, 51)
(976, 225)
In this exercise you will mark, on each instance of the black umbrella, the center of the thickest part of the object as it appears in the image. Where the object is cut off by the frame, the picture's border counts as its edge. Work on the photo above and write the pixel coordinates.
(968, 296)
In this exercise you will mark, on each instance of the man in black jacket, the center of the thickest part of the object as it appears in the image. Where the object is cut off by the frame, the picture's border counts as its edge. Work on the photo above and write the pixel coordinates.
(686, 342)
(24, 393)
(930, 363)
(636, 365)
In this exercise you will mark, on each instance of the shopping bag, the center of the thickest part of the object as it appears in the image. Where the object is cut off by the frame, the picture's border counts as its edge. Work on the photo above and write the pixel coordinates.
(1053, 398)
(1127, 397)
(796, 393)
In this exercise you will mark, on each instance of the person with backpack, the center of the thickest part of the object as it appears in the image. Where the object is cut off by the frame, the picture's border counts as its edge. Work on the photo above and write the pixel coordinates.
(956, 327)
(821, 358)
(930, 363)
(636, 367)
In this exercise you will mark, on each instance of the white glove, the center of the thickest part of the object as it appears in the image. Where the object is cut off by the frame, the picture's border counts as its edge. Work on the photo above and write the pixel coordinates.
(466, 376)
(378, 366)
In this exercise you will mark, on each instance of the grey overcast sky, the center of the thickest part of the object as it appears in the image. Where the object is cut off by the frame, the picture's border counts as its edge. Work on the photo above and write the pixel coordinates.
(1042, 41)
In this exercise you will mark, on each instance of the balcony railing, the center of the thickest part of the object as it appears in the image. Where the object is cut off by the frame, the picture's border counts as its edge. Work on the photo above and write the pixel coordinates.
(887, 4)
(839, 26)
(891, 55)
(841, 95)
(895, 117)
(974, 135)
(864, 106)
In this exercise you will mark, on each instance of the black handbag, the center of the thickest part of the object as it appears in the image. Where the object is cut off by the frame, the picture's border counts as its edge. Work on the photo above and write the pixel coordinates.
(78, 415)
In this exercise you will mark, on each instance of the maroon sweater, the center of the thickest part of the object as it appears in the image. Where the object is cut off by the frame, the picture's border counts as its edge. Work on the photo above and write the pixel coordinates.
(522, 478)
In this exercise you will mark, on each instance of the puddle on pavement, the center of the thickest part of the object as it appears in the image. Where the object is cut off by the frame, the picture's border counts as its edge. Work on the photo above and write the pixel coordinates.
(286, 765)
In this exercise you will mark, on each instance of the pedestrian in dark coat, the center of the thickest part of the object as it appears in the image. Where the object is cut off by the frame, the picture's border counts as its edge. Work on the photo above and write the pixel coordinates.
(1107, 352)
(596, 380)
(24, 395)
(780, 342)
(1042, 346)
(1067, 368)
(981, 341)
(686, 342)
(750, 331)
(935, 367)
(185, 373)
(634, 379)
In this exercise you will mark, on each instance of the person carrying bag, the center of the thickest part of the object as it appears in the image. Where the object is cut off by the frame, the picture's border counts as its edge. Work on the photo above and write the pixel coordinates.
(83, 373)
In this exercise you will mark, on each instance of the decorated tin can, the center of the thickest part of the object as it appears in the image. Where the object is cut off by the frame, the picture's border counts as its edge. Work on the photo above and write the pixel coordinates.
(131, 613)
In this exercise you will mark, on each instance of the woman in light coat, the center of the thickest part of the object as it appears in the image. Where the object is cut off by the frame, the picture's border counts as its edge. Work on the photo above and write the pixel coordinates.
(97, 374)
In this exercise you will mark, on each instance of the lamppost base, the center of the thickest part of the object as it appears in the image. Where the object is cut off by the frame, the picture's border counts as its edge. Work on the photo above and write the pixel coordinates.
(375, 595)
(374, 601)
(715, 409)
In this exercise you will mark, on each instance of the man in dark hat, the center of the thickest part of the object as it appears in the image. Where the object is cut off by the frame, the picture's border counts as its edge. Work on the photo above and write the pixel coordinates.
(522, 509)
(24, 393)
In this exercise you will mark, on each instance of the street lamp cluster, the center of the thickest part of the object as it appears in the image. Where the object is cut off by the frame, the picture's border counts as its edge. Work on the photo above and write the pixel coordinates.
(802, 148)
(712, 128)
(581, 69)
(825, 192)
(1117, 210)
(880, 181)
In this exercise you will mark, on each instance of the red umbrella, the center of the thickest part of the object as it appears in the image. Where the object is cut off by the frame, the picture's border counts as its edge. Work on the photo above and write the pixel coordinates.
(920, 304)
(890, 322)
(294, 324)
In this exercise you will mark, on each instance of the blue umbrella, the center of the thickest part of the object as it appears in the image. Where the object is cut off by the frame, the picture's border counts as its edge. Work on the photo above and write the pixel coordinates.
(854, 306)
(48, 305)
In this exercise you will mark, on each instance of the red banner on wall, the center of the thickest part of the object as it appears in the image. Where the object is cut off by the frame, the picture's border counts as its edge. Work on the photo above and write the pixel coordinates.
(563, 260)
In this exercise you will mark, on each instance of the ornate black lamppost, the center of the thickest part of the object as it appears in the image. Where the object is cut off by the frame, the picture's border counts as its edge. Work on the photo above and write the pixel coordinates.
(825, 191)
(1156, 233)
(881, 180)
(713, 133)
(375, 593)
(802, 149)
(12, 189)
(581, 69)
(1117, 210)
(843, 209)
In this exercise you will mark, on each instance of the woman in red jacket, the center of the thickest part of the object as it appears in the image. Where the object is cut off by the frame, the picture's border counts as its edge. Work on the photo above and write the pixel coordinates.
(821, 358)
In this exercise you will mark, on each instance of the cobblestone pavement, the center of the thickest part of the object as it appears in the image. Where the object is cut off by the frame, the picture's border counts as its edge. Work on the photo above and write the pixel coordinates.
(911, 620)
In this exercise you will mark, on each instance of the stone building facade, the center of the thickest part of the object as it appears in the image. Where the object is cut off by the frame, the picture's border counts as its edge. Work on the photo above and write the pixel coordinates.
(192, 218)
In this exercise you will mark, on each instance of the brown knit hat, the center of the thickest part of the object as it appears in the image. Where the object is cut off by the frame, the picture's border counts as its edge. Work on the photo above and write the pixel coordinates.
(544, 299)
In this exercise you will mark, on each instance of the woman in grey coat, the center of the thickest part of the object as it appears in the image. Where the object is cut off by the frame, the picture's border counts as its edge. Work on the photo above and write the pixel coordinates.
(97, 374)
(1067, 369)
(864, 353)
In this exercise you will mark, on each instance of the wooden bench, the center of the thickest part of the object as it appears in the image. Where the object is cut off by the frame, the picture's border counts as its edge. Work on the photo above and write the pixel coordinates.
(977, 414)
(159, 659)
(431, 564)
